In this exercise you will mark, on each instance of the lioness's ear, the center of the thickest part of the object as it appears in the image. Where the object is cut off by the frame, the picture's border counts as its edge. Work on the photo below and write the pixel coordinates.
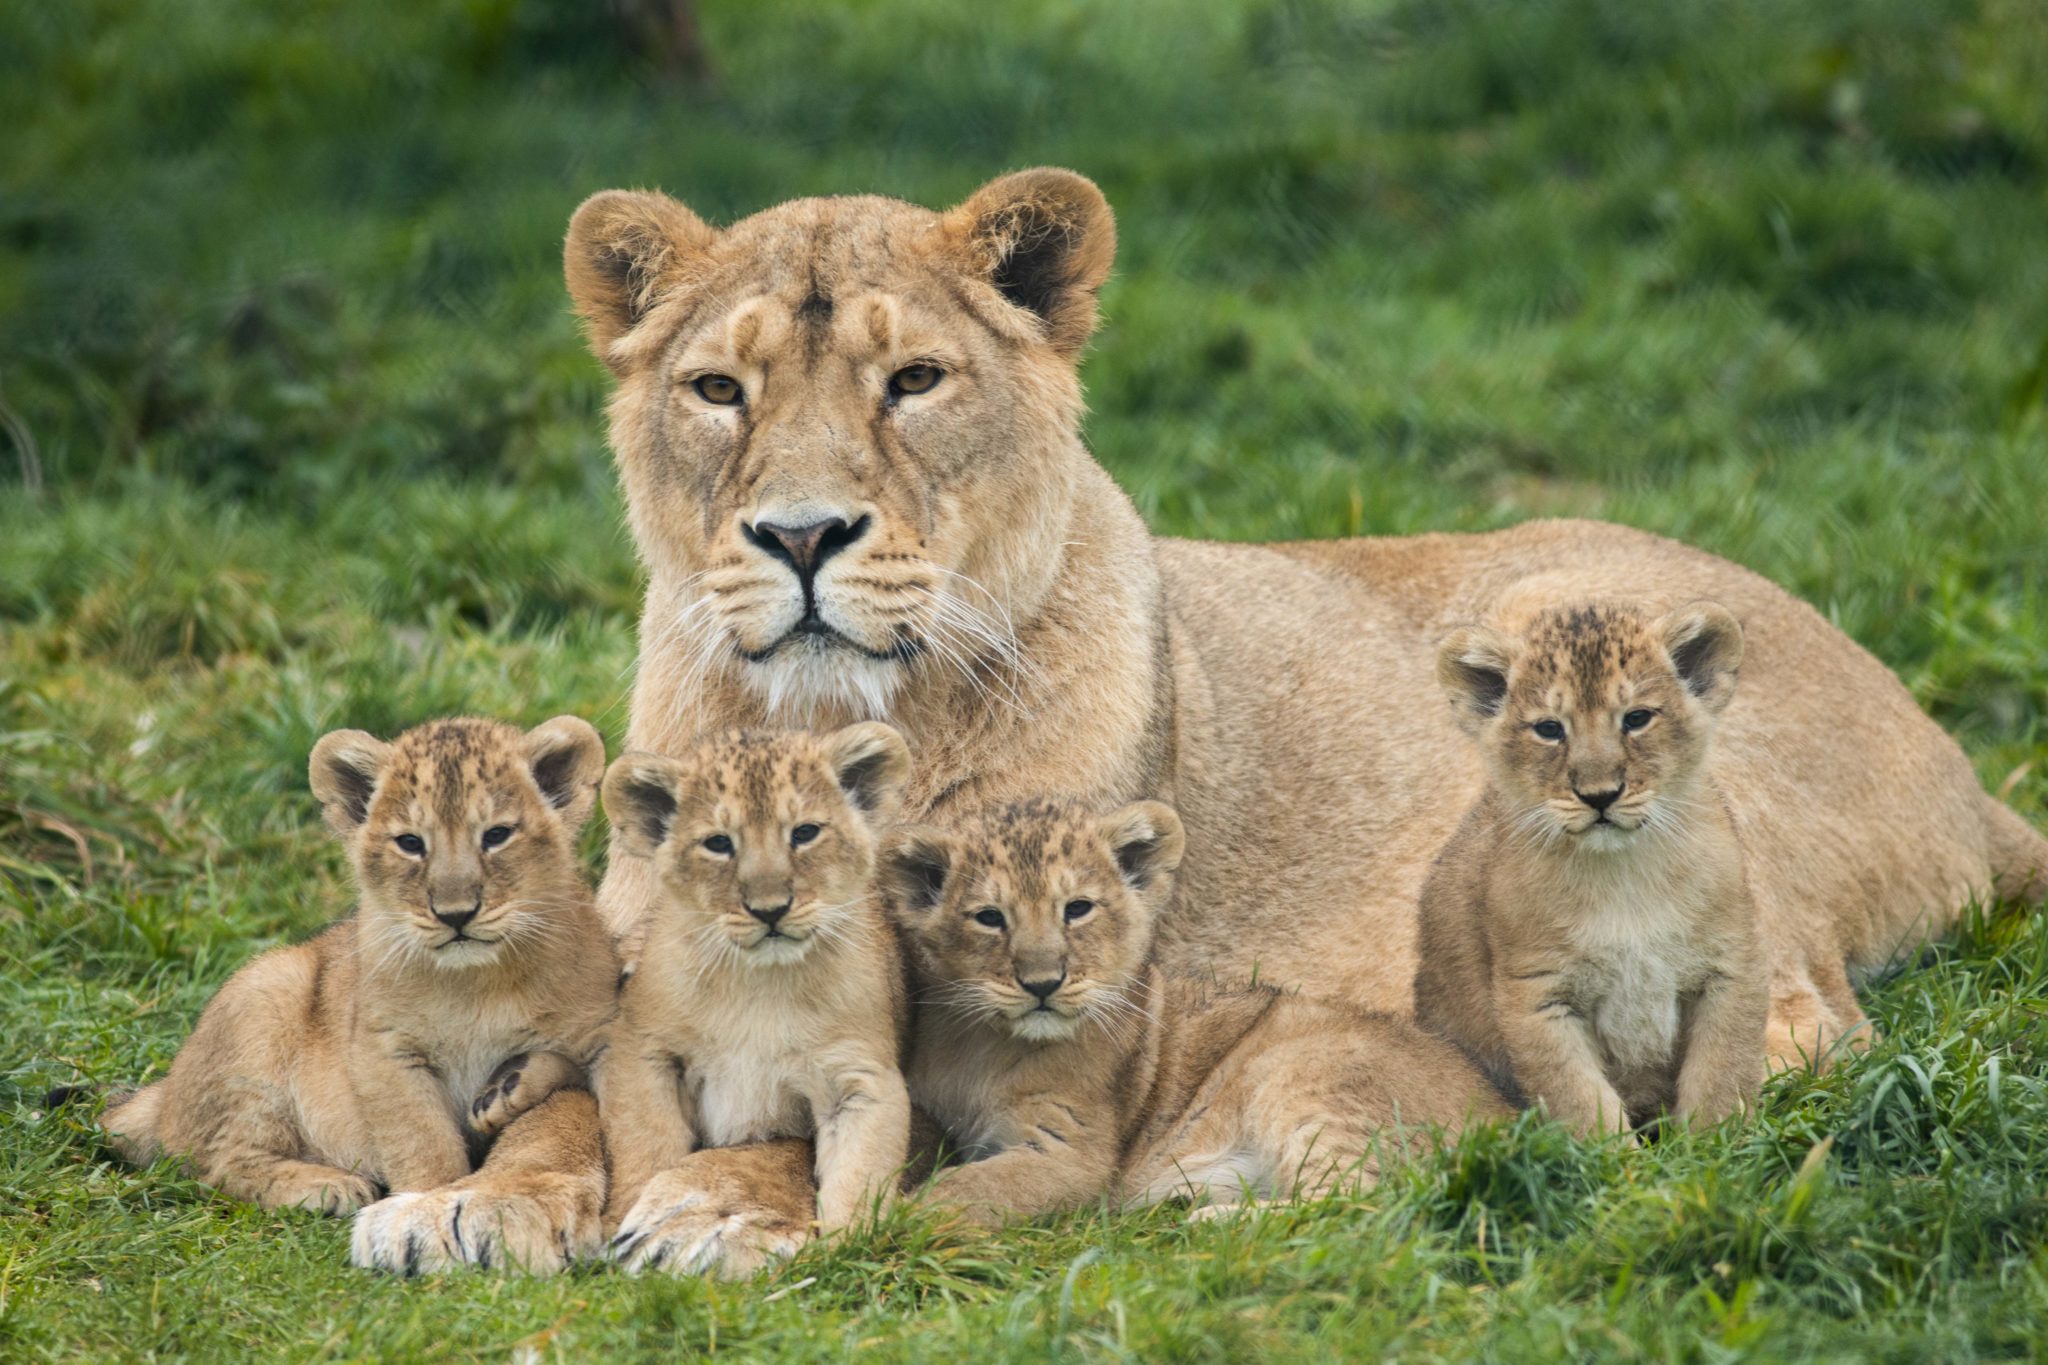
(343, 773)
(1045, 239)
(566, 757)
(871, 763)
(1148, 841)
(623, 247)
(1472, 666)
(641, 795)
(911, 871)
(1705, 641)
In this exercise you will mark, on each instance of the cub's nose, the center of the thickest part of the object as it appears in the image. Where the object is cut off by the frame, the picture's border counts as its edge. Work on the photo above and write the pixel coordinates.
(455, 919)
(1600, 801)
(770, 915)
(1044, 986)
(806, 548)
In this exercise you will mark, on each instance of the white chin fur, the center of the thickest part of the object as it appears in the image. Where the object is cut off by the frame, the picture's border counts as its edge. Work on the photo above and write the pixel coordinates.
(777, 952)
(1606, 838)
(1042, 1026)
(805, 680)
(465, 953)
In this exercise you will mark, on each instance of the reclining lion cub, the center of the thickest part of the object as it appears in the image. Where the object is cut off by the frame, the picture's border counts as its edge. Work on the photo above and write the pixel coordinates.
(848, 434)
(324, 1073)
(1069, 1067)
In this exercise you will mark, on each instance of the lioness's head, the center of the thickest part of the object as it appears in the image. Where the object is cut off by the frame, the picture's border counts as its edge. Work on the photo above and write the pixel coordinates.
(461, 832)
(845, 427)
(1595, 722)
(1039, 915)
(765, 842)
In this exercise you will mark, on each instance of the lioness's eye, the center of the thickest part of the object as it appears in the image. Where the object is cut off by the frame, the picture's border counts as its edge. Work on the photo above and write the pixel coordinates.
(1549, 729)
(721, 389)
(802, 835)
(915, 379)
(1637, 719)
(496, 835)
(1079, 910)
(411, 843)
(718, 844)
(991, 917)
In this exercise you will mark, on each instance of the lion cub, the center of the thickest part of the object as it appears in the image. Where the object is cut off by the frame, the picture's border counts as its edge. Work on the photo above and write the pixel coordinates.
(1067, 1066)
(1587, 934)
(327, 1069)
(768, 999)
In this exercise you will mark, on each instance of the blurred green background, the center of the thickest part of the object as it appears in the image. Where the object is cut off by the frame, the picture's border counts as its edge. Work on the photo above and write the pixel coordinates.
(296, 431)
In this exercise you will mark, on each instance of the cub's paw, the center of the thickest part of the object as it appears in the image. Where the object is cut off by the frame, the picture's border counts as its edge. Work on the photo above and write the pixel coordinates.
(324, 1189)
(679, 1227)
(421, 1232)
(519, 1083)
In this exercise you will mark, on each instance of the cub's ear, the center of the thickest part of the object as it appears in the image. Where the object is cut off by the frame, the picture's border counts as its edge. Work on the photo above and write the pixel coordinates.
(1045, 239)
(1705, 641)
(566, 757)
(1472, 667)
(642, 793)
(871, 762)
(625, 248)
(1148, 841)
(911, 872)
(343, 773)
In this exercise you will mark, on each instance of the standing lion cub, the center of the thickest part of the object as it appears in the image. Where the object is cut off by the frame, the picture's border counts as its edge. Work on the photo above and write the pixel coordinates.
(323, 1071)
(1587, 933)
(1068, 1066)
(768, 998)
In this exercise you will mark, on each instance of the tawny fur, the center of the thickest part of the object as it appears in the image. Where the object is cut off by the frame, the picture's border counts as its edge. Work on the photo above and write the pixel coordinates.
(1281, 697)
(1068, 1067)
(1587, 933)
(768, 999)
(325, 1072)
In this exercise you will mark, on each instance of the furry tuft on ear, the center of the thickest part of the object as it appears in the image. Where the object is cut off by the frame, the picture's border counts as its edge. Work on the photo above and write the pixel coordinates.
(870, 762)
(642, 793)
(623, 249)
(1472, 666)
(566, 757)
(343, 773)
(1147, 839)
(1705, 643)
(1045, 238)
(911, 870)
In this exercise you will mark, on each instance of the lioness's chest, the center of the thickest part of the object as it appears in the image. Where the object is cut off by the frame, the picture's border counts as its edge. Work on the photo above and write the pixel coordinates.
(747, 1091)
(1637, 962)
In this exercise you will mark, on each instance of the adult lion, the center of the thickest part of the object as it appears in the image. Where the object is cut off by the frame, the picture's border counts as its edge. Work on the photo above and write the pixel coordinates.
(848, 434)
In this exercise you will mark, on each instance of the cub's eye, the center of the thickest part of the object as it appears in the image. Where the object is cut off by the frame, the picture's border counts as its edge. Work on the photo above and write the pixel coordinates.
(411, 843)
(718, 844)
(1636, 720)
(915, 379)
(801, 835)
(991, 917)
(1079, 910)
(1549, 729)
(496, 835)
(721, 389)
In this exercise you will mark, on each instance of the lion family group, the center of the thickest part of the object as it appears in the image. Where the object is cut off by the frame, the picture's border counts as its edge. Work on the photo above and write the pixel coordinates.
(974, 847)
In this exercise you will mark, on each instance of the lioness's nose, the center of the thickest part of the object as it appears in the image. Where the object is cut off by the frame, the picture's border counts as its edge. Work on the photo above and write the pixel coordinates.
(1044, 986)
(806, 548)
(1600, 800)
(770, 915)
(454, 919)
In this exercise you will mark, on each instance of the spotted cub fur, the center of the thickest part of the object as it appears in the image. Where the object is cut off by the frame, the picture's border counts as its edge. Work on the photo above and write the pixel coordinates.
(1068, 1067)
(324, 1073)
(768, 997)
(1587, 933)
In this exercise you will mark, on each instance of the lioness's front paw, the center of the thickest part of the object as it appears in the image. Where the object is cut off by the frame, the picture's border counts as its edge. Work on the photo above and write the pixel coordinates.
(677, 1226)
(418, 1233)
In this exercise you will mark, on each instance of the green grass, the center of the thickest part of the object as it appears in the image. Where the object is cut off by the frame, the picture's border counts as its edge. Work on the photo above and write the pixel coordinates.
(296, 432)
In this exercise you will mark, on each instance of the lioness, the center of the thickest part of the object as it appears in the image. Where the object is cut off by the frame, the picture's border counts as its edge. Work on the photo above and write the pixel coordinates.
(768, 998)
(1586, 933)
(848, 434)
(1068, 1066)
(326, 1071)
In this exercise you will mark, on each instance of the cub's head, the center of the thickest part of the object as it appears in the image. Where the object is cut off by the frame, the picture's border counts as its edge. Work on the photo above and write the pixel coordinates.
(461, 832)
(846, 427)
(1595, 722)
(765, 842)
(1040, 915)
